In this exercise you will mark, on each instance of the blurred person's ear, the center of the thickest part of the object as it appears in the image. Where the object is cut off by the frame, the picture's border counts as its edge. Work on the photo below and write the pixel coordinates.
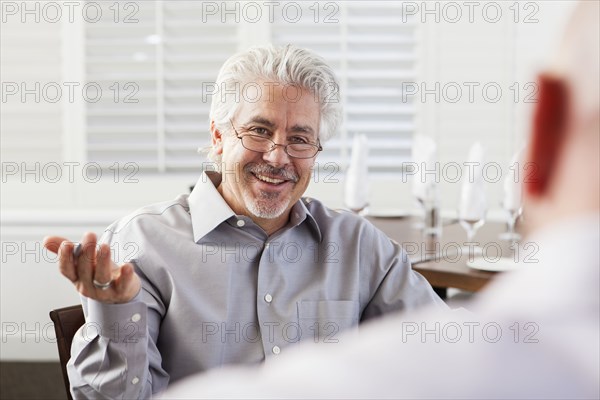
(548, 134)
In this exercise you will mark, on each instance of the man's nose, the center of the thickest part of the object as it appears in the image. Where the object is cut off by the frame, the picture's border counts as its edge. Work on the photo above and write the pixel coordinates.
(277, 156)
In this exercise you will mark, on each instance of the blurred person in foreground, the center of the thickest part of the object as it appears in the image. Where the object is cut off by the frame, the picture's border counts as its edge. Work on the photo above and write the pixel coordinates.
(536, 334)
(244, 266)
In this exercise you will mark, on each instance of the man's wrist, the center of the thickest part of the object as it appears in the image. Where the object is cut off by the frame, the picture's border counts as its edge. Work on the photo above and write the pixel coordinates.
(123, 322)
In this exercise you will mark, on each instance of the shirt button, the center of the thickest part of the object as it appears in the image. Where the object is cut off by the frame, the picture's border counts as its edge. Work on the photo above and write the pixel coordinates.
(267, 245)
(276, 350)
(136, 317)
(135, 380)
(268, 298)
(240, 223)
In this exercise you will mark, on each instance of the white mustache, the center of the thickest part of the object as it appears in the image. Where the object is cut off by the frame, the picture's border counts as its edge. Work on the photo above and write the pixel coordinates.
(279, 173)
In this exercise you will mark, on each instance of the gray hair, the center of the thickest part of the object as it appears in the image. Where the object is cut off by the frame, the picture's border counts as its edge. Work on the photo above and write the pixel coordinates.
(286, 65)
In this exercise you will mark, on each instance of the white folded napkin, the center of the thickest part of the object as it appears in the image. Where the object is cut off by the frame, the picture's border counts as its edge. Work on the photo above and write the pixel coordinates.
(424, 154)
(512, 183)
(473, 204)
(356, 189)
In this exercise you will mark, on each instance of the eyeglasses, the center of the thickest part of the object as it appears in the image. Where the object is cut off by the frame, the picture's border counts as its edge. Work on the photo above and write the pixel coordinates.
(261, 144)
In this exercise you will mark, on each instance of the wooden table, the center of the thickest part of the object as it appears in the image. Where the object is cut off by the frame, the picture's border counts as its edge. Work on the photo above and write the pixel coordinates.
(441, 260)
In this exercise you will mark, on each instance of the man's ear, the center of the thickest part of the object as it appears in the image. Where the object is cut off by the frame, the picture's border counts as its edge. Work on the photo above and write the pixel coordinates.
(217, 138)
(548, 135)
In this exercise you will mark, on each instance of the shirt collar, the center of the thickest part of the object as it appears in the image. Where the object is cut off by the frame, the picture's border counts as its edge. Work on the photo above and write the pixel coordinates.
(205, 196)
(299, 213)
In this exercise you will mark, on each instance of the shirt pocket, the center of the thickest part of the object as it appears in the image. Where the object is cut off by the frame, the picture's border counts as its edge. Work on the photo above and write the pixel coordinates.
(322, 321)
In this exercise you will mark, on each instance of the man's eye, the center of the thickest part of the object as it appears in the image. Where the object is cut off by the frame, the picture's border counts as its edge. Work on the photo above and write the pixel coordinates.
(259, 131)
(298, 139)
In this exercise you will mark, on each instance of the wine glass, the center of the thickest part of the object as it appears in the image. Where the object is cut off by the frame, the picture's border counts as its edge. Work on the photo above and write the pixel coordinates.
(419, 223)
(471, 221)
(423, 155)
(513, 214)
(428, 202)
(432, 220)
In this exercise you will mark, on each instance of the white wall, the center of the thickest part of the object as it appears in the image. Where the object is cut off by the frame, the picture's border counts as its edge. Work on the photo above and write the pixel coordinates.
(30, 285)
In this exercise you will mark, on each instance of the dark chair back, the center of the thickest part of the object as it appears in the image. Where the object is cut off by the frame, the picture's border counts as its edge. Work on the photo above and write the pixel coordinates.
(66, 322)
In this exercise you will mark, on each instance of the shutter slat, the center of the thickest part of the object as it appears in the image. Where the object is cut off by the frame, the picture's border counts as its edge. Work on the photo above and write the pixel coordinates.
(372, 50)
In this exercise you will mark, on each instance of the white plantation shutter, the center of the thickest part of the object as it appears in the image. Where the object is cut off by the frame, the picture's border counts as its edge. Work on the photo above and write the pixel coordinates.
(123, 59)
(325, 38)
(380, 53)
(372, 50)
(193, 52)
(161, 63)
(30, 119)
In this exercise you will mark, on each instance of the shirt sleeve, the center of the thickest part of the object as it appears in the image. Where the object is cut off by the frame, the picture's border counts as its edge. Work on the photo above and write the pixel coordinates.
(114, 354)
(394, 285)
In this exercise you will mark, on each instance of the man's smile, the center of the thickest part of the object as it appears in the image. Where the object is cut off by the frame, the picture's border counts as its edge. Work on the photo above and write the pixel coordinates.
(270, 175)
(267, 179)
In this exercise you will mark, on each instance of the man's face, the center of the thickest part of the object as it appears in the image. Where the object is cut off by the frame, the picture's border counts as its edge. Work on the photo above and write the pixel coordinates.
(267, 185)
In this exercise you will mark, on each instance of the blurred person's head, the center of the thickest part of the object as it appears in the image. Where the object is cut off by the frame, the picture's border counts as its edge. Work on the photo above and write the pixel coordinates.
(562, 178)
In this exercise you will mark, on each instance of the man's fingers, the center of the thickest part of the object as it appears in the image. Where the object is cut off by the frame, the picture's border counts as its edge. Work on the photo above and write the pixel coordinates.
(125, 279)
(53, 243)
(86, 262)
(125, 285)
(122, 277)
(94, 263)
(65, 260)
(103, 270)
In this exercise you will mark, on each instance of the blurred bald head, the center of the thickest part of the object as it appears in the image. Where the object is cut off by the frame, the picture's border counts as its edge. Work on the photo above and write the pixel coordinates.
(565, 142)
(577, 60)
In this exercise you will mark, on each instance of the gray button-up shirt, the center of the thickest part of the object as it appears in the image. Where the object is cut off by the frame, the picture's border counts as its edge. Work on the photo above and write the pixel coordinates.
(216, 289)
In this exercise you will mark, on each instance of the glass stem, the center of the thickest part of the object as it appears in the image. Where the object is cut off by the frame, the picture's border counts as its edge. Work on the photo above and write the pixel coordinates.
(470, 233)
(511, 224)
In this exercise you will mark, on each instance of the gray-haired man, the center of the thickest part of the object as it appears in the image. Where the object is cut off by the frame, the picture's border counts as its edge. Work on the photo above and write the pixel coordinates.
(535, 333)
(243, 266)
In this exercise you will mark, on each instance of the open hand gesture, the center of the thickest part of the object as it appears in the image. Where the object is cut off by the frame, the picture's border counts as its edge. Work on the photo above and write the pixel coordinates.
(92, 270)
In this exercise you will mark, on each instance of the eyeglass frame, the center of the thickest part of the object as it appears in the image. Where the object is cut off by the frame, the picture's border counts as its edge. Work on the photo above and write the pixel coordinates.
(274, 146)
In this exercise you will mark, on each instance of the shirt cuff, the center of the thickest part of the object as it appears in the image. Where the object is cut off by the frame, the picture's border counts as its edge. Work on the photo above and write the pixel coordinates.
(124, 322)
